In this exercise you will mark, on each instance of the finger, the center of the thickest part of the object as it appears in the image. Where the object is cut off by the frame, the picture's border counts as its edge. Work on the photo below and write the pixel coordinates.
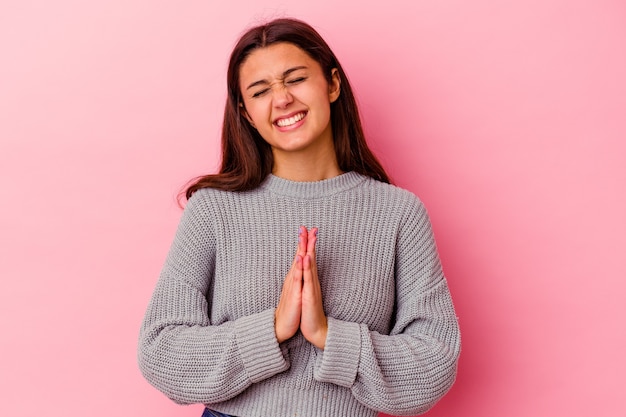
(306, 267)
(302, 241)
(300, 249)
(294, 276)
(310, 292)
(311, 250)
(312, 240)
(294, 294)
(314, 325)
(298, 273)
(310, 282)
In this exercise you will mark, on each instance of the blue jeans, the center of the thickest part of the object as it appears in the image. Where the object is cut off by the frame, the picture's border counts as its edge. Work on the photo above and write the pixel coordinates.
(211, 413)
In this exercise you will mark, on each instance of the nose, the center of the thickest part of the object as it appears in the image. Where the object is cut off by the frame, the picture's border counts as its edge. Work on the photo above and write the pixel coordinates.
(281, 96)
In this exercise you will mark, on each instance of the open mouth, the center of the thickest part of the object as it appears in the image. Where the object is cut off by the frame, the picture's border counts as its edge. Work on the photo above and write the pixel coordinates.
(292, 120)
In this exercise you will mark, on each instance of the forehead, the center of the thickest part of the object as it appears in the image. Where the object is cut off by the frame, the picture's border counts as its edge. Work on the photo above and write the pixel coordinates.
(272, 61)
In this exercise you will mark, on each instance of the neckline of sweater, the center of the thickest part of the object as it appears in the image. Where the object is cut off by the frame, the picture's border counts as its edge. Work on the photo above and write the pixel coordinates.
(313, 189)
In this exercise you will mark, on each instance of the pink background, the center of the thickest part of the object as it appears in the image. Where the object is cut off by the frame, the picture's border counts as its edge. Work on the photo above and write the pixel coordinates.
(507, 118)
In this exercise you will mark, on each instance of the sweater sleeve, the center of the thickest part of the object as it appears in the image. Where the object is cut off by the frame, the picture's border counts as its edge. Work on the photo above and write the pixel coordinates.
(180, 351)
(407, 371)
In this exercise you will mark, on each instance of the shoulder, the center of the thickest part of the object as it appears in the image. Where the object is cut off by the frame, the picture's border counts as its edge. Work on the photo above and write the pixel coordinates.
(210, 197)
(204, 195)
(401, 197)
(204, 204)
(398, 205)
(214, 203)
(201, 200)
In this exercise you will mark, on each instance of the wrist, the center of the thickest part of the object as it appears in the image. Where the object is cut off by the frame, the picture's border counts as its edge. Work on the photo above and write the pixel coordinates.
(319, 341)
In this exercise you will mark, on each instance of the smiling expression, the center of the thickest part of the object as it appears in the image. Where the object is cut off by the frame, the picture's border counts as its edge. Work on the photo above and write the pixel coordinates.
(287, 97)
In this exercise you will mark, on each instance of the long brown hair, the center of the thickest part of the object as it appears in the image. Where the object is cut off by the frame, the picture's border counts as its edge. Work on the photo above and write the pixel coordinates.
(246, 158)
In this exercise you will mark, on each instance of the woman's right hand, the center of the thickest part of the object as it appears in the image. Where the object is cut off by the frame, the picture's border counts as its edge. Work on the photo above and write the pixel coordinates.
(289, 309)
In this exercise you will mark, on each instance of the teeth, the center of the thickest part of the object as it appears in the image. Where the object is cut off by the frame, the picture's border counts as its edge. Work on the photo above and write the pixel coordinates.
(291, 120)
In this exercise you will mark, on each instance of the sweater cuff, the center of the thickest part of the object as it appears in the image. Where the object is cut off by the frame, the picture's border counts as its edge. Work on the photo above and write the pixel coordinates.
(260, 353)
(339, 361)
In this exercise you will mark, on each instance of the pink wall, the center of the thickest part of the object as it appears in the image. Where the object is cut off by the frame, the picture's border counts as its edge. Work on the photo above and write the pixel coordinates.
(507, 118)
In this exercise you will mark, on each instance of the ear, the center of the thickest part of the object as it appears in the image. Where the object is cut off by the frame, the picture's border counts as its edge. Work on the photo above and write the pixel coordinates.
(334, 87)
(246, 115)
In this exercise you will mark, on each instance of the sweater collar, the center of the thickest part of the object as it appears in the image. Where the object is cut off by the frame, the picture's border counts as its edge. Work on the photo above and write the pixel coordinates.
(312, 190)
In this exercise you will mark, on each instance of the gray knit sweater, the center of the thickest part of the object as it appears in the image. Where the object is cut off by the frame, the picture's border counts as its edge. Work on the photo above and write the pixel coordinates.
(393, 339)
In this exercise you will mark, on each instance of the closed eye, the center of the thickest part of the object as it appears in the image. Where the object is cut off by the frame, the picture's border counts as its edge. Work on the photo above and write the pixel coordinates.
(292, 81)
(296, 80)
(260, 93)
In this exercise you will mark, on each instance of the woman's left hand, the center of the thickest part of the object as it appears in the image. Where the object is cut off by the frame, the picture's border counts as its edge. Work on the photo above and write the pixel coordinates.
(313, 323)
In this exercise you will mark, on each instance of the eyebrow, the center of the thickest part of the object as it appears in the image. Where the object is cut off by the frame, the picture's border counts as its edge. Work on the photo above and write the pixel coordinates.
(285, 74)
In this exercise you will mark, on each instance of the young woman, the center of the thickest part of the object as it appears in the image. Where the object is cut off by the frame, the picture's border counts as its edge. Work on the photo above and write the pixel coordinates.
(300, 282)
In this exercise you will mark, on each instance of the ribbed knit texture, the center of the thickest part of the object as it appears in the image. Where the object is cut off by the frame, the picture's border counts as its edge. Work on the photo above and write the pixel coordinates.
(393, 339)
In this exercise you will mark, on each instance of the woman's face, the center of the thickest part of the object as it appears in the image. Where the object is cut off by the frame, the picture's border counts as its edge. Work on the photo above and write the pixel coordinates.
(287, 98)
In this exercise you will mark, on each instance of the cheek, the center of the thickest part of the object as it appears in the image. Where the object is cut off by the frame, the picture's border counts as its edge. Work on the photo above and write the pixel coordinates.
(323, 105)
(321, 98)
(253, 113)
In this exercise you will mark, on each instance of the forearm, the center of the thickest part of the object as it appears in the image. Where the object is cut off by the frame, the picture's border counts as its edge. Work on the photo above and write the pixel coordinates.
(404, 373)
(192, 361)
